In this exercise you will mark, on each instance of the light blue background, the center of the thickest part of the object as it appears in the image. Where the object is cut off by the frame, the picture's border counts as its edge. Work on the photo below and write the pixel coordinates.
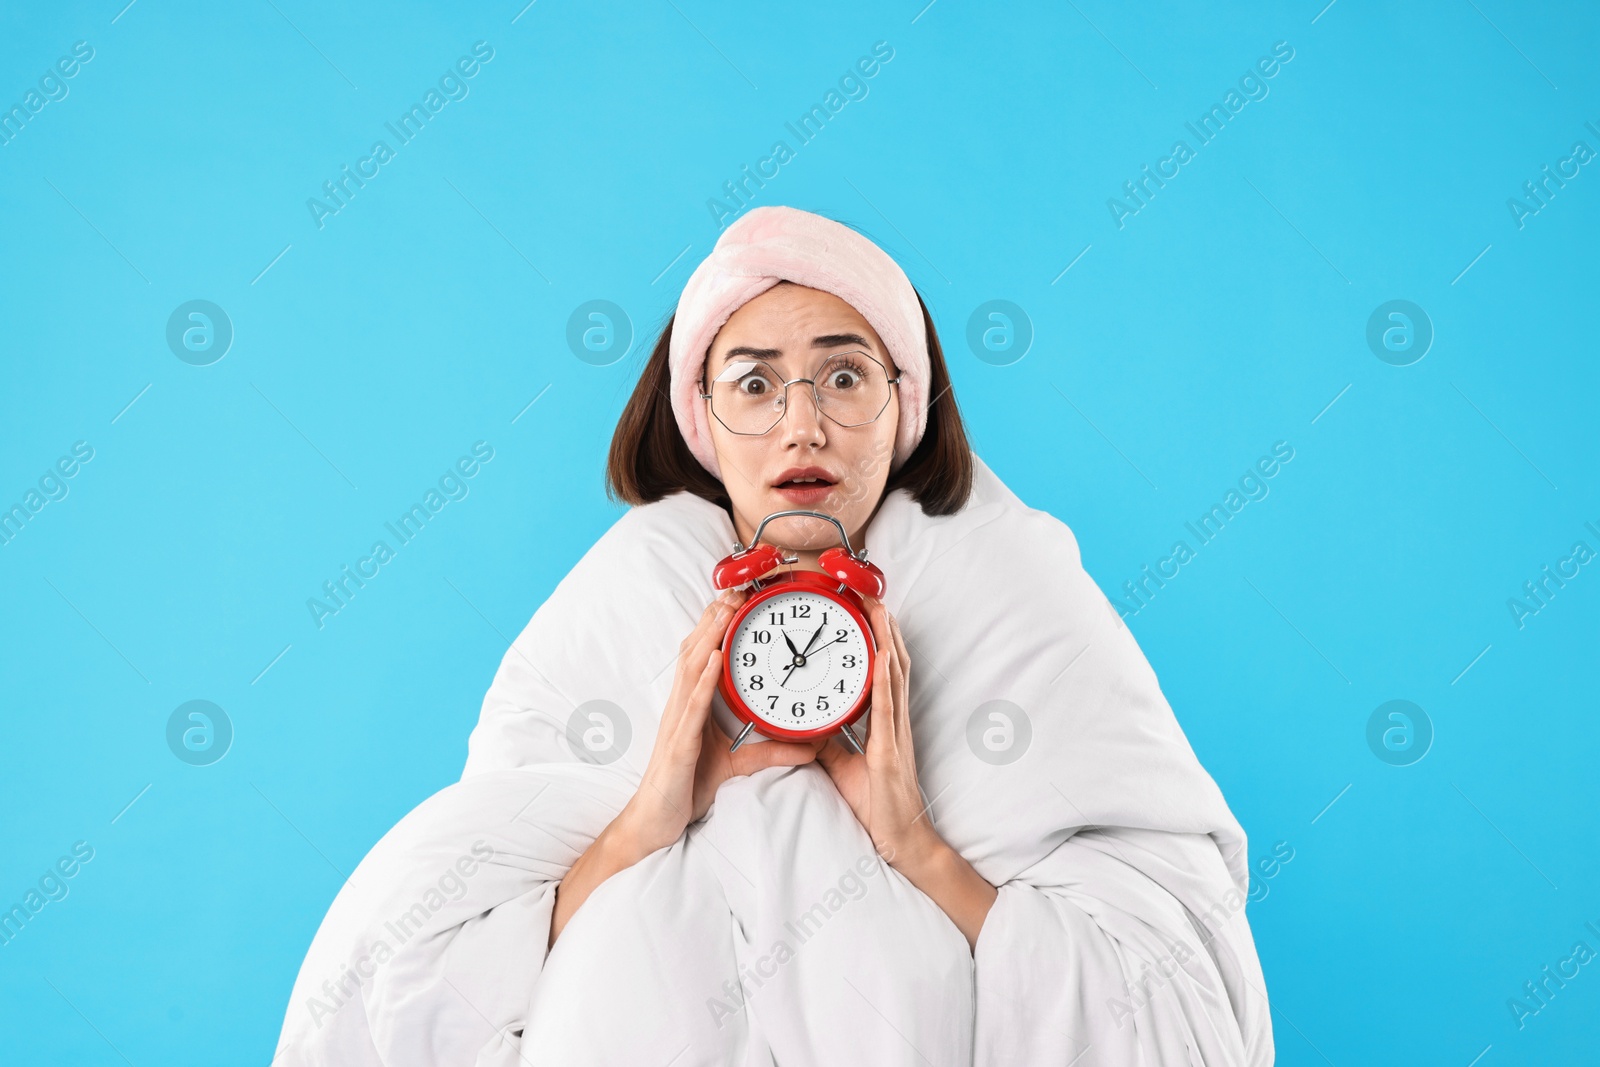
(1223, 317)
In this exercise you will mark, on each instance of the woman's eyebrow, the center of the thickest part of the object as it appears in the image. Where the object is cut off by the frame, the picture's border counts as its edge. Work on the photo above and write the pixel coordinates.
(827, 340)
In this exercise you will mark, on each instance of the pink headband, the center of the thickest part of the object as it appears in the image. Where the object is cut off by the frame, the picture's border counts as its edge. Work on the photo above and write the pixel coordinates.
(767, 245)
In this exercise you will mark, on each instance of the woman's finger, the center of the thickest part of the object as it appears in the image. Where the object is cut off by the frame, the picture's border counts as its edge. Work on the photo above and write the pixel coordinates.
(697, 709)
(694, 636)
(684, 735)
(711, 632)
(713, 622)
(726, 600)
(679, 723)
(897, 673)
(882, 639)
(881, 738)
(899, 642)
(896, 721)
(890, 650)
(903, 656)
(706, 636)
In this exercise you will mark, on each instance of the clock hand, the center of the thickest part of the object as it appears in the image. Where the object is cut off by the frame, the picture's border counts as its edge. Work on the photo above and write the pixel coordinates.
(793, 662)
(802, 655)
(816, 635)
(819, 648)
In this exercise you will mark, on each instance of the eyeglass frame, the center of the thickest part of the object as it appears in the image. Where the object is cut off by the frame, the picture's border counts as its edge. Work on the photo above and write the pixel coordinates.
(815, 399)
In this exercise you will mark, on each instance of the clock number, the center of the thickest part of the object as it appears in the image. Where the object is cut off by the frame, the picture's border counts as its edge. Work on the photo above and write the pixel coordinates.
(799, 708)
(761, 637)
(755, 681)
(775, 618)
(772, 702)
(848, 662)
(842, 635)
(822, 702)
(748, 659)
(802, 611)
(840, 686)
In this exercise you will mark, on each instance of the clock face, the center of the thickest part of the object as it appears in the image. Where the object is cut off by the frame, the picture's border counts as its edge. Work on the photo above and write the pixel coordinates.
(799, 661)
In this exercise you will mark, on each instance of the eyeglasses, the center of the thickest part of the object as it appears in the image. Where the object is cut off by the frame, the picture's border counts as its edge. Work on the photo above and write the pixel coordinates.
(750, 397)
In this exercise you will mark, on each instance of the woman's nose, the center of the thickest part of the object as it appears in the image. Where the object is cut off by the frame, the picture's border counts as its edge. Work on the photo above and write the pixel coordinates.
(802, 421)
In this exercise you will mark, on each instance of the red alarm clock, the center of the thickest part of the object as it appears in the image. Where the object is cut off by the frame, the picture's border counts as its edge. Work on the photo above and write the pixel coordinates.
(798, 658)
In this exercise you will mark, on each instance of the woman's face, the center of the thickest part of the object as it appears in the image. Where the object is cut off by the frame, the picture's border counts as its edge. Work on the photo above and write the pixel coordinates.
(794, 329)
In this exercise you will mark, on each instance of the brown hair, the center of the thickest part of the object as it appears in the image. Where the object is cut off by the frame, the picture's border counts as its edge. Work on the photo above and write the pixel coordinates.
(649, 458)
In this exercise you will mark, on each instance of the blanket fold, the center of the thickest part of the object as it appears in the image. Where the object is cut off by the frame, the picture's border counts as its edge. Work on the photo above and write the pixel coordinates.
(771, 933)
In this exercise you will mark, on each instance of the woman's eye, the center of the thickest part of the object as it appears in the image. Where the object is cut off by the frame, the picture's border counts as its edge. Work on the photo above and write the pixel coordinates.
(754, 386)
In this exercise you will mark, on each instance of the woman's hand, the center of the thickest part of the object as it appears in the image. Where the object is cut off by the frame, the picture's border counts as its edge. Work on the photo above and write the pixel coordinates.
(881, 788)
(691, 758)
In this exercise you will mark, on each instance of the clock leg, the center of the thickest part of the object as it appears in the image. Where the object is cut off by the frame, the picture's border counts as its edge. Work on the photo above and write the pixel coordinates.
(737, 741)
(848, 736)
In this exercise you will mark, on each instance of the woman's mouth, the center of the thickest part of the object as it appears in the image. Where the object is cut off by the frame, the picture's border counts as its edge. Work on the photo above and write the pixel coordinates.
(805, 489)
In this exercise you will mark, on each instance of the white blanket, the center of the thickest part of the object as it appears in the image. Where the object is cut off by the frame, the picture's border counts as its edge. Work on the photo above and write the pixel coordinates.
(771, 933)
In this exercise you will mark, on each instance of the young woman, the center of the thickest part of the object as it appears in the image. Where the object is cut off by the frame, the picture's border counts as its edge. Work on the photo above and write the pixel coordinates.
(804, 413)
(1026, 864)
